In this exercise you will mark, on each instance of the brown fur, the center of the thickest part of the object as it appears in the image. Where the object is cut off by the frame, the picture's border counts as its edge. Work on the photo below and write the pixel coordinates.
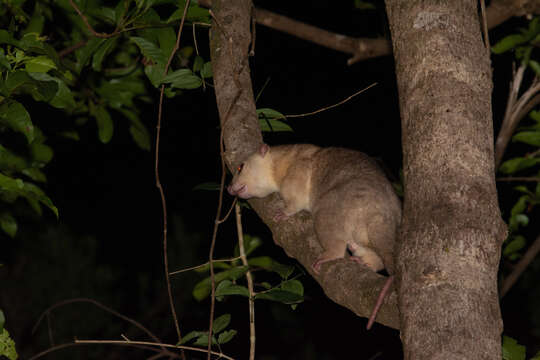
(352, 202)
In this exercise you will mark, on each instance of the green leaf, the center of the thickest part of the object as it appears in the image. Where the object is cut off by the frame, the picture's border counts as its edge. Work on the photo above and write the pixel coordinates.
(203, 288)
(209, 186)
(523, 189)
(149, 50)
(509, 42)
(85, 53)
(177, 75)
(64, 97)
(270, 264)
(41, 153)
(155, 73)
(520, 206)
(15, 116)
(167, 40)
(282, 296)
(535, 65)
(511, 350)
(187, 82)
(140, 136)
(528, 137)
(35, 174)
(9, 183)
(203, 340)
(266, 113)
(73, 135)
(226, 336)
(198, 63)
(192, 335)
(220, 323)
(2, 320)
(8, 225)
(7, 346)
(206, 71)
(104, 122)
(107, 46)
(195, 13)
(11, 161)
(35, 25)
(536, 357)
(218, 265)
(516, 244)
(273, 125)
(226, 287)
(4, 61)
(32, 192)
(39, 64)
(516, 164)
(268, 120)
(293, 286)
(7, 38)
(251, 243)
(363, 5)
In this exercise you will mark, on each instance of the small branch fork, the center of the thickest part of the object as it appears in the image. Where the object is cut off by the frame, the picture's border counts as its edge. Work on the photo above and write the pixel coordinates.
(151, 346)
(249, 278)
(158, 182)
(517, 108)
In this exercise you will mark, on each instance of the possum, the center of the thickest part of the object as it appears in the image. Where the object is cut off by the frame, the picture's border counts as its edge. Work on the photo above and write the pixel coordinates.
(353, 205)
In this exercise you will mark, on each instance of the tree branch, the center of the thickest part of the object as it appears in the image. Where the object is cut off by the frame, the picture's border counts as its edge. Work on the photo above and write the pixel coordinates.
(366, 48)
(520, 267)
(347, 283)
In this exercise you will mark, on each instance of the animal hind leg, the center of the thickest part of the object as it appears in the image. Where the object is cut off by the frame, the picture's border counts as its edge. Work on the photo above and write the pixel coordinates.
(331, 238)
(366, 256)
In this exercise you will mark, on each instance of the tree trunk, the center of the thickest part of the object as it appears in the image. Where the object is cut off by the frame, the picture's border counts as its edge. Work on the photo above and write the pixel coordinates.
(448, 256)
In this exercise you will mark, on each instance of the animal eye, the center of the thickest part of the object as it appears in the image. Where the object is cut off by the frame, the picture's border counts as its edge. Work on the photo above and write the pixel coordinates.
(240, 167)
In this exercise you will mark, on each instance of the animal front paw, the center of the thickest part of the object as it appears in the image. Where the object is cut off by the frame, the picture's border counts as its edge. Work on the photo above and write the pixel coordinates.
(280, 216)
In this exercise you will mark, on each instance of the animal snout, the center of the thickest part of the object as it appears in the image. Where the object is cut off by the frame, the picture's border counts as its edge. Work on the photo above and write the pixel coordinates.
(236, 190)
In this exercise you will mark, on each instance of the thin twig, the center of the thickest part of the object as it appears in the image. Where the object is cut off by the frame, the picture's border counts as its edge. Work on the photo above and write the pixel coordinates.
(511, 114)
(49, 329)
(520, 267)
(249, 279)
(99, 305)
(213, 245)
(158, 182)
(485, 25)
(121, 342)
(203, 265)
(518, 178)
(229, 211)
(71, 48)
(334, 105)
(85, 20)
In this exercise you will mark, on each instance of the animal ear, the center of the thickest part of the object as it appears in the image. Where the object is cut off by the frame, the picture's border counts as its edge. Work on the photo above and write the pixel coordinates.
(264, 149)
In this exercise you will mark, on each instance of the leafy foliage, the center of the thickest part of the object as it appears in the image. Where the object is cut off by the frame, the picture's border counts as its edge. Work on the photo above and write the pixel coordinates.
(7, 345)
(523, 44)
(83, 73)
(219, 326)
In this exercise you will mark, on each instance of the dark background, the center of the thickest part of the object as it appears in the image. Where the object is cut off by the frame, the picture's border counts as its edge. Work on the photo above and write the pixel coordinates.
(107, 244)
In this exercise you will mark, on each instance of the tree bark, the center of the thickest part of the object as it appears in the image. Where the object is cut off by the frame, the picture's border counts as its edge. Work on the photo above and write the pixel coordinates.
(347, 283)
(449, 252)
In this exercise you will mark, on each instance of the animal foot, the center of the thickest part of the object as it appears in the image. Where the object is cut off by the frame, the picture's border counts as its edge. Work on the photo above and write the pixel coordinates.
(280, 216)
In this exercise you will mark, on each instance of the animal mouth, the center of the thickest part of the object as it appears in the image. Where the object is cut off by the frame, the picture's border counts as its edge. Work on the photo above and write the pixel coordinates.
(237, 191)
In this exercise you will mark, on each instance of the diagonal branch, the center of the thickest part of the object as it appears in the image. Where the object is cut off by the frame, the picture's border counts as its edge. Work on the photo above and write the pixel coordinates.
(520, 267)
(366, 48)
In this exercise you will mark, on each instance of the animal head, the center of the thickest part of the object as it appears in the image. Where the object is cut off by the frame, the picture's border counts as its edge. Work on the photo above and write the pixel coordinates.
(255, 176)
